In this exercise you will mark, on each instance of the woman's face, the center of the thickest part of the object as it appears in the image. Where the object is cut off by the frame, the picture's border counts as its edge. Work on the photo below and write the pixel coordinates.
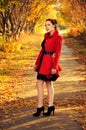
(49, 26)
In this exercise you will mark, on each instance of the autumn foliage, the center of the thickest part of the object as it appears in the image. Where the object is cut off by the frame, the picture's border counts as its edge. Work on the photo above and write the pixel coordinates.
(73, 15)
(17, 16)
(19, 48)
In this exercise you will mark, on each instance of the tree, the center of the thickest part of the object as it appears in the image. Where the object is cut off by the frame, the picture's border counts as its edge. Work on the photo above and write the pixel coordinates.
(38, 11)
(73, 13)
(17, 16)
(13, 18)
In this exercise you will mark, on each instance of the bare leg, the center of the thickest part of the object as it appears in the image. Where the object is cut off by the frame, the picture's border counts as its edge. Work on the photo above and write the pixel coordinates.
(50, 90)
(40, 91)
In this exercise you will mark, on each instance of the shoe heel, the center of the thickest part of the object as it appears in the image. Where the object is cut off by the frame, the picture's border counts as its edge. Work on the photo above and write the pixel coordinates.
(43, 111)
(53, 112)
(39, 111)
(49, 111)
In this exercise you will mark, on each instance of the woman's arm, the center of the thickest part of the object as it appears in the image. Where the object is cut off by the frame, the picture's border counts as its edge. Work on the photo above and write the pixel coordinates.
(58, 47)
(38, 59)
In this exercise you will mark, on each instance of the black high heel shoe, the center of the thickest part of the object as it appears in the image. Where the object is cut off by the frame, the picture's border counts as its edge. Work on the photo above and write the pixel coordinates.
(39, 110)
(50, 109)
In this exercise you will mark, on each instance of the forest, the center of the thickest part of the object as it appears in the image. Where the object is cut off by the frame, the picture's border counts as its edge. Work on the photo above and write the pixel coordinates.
(17, 16)
(22, 26)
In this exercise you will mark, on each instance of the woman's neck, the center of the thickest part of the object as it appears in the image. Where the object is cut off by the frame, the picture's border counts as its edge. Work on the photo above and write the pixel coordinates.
(52, 32)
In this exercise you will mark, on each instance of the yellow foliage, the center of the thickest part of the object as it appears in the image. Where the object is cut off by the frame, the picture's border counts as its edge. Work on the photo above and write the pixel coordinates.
(73, 14)
(11, 46)
(3, 78)
(40, 24)
(76, 31)
(37, 10)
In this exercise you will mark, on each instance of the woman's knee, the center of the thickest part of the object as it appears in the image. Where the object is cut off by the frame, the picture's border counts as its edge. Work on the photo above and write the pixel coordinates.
(48, 84)
(39, 83)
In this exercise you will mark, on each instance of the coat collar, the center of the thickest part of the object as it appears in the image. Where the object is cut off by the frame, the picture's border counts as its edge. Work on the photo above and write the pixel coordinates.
(47, 35)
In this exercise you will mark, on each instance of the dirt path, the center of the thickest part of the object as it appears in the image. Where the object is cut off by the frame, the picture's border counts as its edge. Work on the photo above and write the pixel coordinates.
(17, 115)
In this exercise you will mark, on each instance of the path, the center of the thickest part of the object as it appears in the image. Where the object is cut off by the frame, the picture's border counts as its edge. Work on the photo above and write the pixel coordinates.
(19, 116)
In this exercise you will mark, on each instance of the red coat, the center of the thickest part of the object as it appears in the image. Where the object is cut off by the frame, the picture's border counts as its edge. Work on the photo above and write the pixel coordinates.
(52, 44)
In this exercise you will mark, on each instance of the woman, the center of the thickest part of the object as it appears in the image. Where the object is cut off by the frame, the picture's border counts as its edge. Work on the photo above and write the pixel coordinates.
(47, 66)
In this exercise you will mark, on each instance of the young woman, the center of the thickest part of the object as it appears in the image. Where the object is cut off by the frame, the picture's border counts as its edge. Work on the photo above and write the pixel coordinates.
(47, 66)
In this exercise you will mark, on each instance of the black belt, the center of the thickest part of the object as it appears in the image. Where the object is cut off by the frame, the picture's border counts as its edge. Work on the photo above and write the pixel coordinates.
(48, 52)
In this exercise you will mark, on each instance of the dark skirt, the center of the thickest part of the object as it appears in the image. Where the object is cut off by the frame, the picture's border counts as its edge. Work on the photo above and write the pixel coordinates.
(51, 77)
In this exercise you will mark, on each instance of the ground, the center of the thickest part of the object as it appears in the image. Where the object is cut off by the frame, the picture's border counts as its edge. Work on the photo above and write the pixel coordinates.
(19, 96)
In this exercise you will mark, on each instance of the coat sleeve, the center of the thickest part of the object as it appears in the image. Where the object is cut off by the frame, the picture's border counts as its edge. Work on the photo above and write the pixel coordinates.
(38, 58)
(58, 47)
(40, 53)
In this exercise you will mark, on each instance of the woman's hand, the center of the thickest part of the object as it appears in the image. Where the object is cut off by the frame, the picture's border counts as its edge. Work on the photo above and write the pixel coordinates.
(53, 71)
